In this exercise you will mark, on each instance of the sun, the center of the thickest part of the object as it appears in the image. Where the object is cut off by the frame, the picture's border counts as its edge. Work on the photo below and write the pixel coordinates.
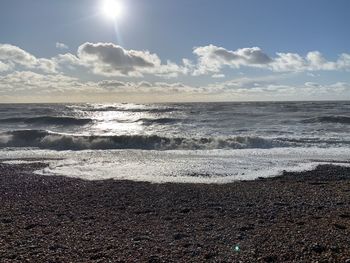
(113, 8)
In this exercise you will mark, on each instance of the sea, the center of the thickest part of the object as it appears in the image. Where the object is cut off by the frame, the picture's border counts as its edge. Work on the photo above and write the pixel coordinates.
(176, 142)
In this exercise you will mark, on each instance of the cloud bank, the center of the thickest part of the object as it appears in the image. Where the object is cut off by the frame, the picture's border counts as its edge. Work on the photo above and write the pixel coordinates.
(211, 59)
(114, 71)
(107, 59)
(29, 84)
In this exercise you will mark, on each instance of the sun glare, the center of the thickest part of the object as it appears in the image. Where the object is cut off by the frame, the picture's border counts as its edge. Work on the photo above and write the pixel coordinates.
(113, 8)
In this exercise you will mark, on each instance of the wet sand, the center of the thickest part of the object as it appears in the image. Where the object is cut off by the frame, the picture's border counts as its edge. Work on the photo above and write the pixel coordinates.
(296, 217)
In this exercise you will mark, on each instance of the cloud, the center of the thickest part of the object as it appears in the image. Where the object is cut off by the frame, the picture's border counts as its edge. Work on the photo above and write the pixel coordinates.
(4, 67)
(61, 45)
(218, 76)
(22, 74)
(16, 55)
(344, 61)
(313, 61)
(111, 84)
(68, 61)
(211, 59)
(108, 59)
(272, 87)
(316, 61)
(13, 55)
(312, 84)
(146, 87)
(245, 84)
(27, 84)
(46, 65)
(288, 62)
(31, 83)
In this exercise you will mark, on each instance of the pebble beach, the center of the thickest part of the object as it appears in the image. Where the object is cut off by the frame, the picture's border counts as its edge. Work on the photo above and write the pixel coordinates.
(295, 217)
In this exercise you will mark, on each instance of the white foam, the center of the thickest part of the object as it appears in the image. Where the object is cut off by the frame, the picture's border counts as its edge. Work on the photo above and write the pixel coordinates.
(204, 166)
(18, 162)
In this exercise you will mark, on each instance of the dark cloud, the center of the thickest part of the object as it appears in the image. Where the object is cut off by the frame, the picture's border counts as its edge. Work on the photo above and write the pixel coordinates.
(110, 59)
(212, 58)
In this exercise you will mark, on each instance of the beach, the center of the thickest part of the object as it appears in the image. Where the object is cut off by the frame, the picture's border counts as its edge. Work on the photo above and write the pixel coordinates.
(295, 217)
(162, 131)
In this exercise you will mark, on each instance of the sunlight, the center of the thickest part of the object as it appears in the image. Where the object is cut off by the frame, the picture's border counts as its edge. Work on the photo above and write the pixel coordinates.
(113, 9)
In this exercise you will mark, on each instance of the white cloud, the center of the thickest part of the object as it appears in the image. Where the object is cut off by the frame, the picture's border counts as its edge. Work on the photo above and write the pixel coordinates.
(314, 75)
(111, 84)
(316, 61)
(313, 61)
(344, 61)
(218, 76)
(107, 59)
(312, 84)
(46, 65)
(211, 59)
(28, 82)
(145, 87)
(241, 88)
(61, 45)
(110, 60)
(69, 61)
(288, 62)
(31, 83)
(15, 55)
(340, 87)
(4, 67)
(22, 84)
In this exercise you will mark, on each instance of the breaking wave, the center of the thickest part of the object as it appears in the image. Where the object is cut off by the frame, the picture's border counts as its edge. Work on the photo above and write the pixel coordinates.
(48, 140)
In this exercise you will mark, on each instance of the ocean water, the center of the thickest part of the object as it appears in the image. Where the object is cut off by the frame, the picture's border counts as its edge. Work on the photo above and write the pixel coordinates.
(189, 142)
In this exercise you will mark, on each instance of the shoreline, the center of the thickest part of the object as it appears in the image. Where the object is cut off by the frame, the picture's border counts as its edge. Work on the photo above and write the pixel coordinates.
(295, 217)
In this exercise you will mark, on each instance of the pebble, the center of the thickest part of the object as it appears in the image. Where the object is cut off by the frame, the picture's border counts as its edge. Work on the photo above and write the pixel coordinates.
(57, 219)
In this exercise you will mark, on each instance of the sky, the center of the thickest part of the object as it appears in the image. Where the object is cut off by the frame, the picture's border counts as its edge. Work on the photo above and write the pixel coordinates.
(179, 51)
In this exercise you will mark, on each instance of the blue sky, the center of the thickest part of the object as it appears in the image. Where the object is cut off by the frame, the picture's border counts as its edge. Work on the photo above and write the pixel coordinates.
(164, 50)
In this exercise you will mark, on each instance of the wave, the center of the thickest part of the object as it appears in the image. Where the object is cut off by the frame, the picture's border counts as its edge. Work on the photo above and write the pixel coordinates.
(48, 140)
(147, 121)
(329, 119)
(48, 120)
